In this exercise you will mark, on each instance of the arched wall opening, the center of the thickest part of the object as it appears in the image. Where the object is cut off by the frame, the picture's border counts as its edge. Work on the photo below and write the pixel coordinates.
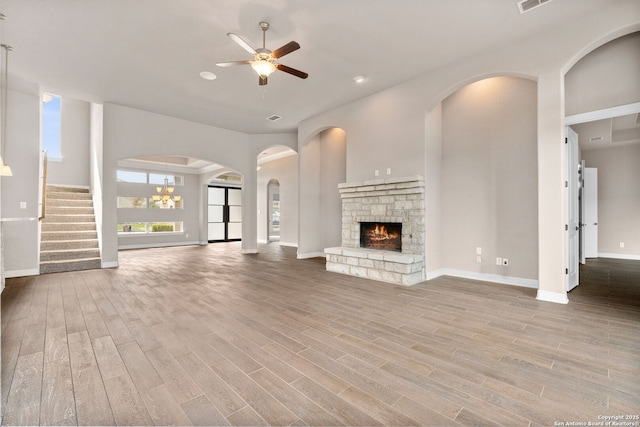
(322, 165)
(277, 164)
(481, 181)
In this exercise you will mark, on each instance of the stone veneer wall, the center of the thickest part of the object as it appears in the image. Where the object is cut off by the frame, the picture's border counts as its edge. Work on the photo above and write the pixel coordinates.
(384, 200)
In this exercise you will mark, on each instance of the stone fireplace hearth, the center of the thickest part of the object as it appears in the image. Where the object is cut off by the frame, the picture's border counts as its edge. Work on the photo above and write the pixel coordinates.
(384, 201)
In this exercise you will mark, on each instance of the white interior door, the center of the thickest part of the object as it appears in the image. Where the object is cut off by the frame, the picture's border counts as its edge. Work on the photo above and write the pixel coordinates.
(572, 224)
(590, 220)
(583, 258)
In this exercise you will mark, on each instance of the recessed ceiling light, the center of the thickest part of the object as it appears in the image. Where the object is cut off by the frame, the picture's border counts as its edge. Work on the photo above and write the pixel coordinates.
(360, 78)
(208, 75)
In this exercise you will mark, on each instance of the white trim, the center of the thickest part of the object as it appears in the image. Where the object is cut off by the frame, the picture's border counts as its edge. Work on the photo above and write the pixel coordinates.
(262, 241)
(21, 273)
(290, 244)
(157, 245)
(249, 251)
(556, 297)
(493, 278)
(110, 264)
(619, 256)
(606, 113)
(311, 255)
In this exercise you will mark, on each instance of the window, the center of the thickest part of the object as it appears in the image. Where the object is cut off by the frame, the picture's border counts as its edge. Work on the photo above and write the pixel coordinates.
(158, 179)
(51, 125)
(175, 203)
(130, 176)
(134, 228)
(132, 202)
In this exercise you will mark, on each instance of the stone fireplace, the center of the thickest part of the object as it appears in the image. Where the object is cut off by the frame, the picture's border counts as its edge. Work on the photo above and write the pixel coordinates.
(383, 231)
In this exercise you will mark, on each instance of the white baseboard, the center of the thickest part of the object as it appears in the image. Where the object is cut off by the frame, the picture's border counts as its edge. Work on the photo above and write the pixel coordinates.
(311, 255)
(494, 278)
(556, 297)
(289, 244)
(262, 241)
(619, 256)
(157, 245)
(110, 264)
(249, 251)
(8, 274)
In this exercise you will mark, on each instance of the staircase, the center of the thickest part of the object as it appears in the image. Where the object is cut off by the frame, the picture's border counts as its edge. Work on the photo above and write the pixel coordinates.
(69, 240)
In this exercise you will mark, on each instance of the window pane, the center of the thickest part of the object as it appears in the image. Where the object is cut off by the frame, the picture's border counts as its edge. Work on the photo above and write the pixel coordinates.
(165, 227)
(132, 227)
(51, 120)
(216, 196)
(129, 176)
(158, 179)
(132, 202)
(168, 204)
(235, 197)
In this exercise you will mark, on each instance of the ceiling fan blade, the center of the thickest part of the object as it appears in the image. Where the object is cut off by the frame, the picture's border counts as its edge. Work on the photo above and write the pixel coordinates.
(243, 44)
(292, 71)
(262, 80)
(286, 49)
(229, 64)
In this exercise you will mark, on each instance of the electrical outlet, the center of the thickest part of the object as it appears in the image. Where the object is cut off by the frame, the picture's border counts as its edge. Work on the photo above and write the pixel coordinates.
(622, 244)
(377, 172)
(479, 259)
(478, 251)
(505, 262)
(23, 205)
(498, 261)
(388, 171)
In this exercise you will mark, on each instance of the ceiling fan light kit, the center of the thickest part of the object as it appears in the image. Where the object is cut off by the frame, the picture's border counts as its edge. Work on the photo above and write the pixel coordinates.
(264, 59)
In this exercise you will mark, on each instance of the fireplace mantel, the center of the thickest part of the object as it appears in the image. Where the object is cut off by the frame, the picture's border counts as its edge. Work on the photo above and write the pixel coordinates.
(399, 200)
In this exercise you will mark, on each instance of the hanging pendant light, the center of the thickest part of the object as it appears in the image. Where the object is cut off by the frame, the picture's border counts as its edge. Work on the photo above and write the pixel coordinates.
(5, 170)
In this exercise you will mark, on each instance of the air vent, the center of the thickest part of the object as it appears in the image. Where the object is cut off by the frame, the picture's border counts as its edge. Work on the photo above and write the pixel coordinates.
(595, 139)
(527, 5)
(274, 118)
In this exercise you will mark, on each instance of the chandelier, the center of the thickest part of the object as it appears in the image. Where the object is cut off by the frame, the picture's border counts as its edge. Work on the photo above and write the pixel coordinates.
(165, 193)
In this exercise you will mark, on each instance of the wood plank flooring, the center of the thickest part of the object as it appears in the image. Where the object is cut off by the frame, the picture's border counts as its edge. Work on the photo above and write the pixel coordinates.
(207, 336)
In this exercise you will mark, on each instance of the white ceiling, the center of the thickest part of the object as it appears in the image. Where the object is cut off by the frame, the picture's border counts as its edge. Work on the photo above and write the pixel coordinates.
(148, 54)
(606, 133)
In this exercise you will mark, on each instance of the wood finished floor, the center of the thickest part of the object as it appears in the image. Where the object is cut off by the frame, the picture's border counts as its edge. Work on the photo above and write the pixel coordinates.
(207, 336)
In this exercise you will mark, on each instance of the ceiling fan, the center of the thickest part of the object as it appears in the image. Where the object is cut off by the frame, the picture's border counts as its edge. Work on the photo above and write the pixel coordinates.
(264, 59)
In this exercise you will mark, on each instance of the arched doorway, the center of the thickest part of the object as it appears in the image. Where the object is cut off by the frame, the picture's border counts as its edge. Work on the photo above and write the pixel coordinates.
(273, 211)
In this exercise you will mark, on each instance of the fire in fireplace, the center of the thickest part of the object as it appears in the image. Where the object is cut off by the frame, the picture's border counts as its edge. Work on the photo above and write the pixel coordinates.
(381, 235)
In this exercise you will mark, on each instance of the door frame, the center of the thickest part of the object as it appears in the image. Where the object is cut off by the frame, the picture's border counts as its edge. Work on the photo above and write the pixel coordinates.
(225, 215)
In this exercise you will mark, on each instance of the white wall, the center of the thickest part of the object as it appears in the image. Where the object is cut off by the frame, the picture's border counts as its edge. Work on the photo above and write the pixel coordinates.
(618, 199)
(22, 153)
(322, 164)
(285, 171)
(606, 77)
(73, 168)
(433, 191)
(489, 177)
